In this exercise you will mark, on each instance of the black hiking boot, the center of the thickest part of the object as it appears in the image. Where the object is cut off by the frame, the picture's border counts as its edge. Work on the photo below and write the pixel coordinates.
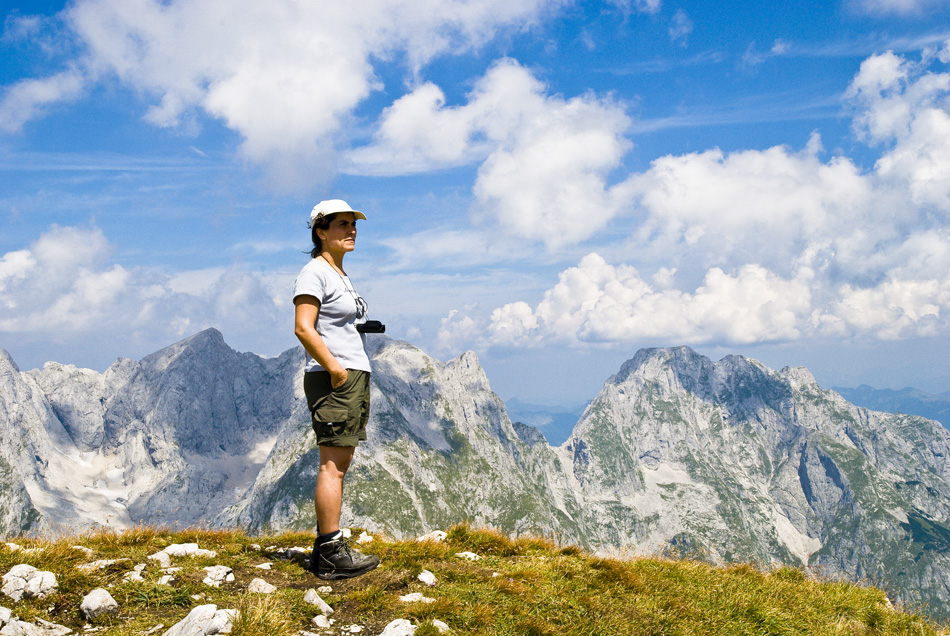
(335, 559)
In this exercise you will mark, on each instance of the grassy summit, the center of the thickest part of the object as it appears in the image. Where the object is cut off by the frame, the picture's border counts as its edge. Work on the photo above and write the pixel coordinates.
(525, 586)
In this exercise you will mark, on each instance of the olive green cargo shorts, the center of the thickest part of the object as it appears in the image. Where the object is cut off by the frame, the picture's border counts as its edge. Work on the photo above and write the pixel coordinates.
(338, 415)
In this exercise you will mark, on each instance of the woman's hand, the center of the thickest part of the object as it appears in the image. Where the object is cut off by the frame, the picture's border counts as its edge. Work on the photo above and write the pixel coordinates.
(338, 378)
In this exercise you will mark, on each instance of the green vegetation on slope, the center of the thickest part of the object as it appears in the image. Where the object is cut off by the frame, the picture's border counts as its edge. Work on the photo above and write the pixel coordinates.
(526, 586)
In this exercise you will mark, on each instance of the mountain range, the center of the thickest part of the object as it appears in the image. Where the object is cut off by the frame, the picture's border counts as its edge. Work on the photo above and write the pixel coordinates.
(677, 455)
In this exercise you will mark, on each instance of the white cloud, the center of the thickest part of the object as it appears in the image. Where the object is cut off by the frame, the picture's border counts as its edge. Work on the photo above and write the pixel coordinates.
(28, 99)
(545, 158)
(285, 75)
(890, 7)
(64, 287)
(906, 108)
(597, 302)
(775, 244)
(680, 28)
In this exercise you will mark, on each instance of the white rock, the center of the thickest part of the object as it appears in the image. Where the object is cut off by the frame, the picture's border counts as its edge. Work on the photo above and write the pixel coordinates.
(195, 623)
(218, 574)
(162, 557)
(222, 621)
(313, 598)
(165, 580)
(427, 577)
(325, 589)
(13, 547)
(97, 603)
(41, 584)
(399, 627)
(255, 546)
(25, 581)
(364, 538)
(347, 533)
(321, 621)
(188, 549)
(135, 576)
(84, 550)
(442, 627)
(353, 629)
(264, 566)
(436, 535)
(471, 556)
(19, 628)
(5, 616)
(416, 597)
(52, 629)
(260, 586)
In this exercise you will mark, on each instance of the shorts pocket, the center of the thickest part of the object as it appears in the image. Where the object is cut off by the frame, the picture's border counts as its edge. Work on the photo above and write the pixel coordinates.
(331, 415)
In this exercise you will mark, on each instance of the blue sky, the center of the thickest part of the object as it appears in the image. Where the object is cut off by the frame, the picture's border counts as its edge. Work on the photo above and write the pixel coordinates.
(551, 184)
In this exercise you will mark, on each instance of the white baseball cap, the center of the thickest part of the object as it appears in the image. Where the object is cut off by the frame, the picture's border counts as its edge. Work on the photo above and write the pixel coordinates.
(333, 206)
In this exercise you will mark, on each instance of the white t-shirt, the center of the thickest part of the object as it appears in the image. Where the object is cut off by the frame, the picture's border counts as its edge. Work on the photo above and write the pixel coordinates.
(336, 321)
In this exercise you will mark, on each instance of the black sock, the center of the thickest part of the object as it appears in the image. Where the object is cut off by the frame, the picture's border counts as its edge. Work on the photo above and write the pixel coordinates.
(323, 538)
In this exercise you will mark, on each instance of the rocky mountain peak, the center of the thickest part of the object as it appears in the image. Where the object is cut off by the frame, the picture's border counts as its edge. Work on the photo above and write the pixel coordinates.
(7, 365)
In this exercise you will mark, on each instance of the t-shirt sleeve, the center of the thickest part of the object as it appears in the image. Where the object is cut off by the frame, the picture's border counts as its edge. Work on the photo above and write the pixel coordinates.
(310, 283)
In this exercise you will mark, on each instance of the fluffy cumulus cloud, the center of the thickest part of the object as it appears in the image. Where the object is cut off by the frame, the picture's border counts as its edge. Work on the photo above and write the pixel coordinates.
(543, 157)
(64, 287)
(906, 109)
(285, 75)
(772, 245)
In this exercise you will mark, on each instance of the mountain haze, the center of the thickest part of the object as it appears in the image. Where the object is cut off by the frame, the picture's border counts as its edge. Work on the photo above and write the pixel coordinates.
(724, 461)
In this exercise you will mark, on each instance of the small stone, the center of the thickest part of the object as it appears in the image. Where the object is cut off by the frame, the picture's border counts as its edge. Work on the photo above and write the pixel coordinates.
(135, 576)
(218, 574)
(325, 589)
(416, 597)
(163, 558)
(97, 603)
(347, 533)
(255, 547)
(427, 577)
(5, 616)
(321, 621)
(263, 566)
(166, 580)
(442, 627)
(98, 565)
(353, 629)
(84, 550)
(437, 536)
(364, 538)
(313, 598)
(399, 627)
(471, 556)
(260, 586)
(13, 547)
(189, 549)
(52, 629)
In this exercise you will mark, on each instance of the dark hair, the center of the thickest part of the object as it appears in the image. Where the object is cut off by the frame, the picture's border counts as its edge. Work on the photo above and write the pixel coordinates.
(320, 223)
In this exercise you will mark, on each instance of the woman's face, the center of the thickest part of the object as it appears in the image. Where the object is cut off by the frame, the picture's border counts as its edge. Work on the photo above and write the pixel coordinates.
(340, 237)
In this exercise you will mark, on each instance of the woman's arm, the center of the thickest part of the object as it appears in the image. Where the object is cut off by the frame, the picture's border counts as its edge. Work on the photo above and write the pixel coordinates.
(305, 319)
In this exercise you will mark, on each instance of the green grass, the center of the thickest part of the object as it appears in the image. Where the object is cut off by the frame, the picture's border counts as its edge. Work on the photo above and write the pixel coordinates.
(526, 586)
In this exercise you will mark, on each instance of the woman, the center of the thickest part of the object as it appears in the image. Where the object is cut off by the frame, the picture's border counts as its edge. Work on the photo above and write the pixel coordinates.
(336, 382)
